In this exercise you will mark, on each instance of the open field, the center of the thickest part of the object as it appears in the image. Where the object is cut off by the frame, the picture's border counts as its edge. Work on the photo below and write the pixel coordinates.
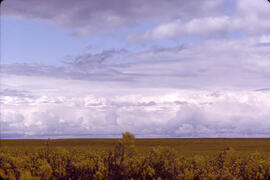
(185, 146)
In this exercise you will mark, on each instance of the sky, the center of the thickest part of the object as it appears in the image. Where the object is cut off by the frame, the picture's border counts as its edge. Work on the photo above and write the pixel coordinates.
(155, 68)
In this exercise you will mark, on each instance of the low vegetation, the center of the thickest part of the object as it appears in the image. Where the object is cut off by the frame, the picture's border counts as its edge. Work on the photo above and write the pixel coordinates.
(126, 161)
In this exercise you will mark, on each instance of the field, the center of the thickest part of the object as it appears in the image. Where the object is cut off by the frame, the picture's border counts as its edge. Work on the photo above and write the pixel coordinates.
(130, 158)
(185, 146)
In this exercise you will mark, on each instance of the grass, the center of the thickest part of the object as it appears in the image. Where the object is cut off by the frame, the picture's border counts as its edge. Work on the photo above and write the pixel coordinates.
(187, 146)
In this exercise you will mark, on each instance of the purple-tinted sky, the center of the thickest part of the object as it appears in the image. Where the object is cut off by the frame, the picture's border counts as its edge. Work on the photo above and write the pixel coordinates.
(155, 68)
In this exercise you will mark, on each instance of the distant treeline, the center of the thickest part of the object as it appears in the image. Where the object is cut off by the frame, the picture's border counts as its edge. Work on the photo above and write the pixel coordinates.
(124, 162)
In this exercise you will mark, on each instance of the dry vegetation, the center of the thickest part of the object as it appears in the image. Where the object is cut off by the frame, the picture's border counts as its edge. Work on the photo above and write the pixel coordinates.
(130, 158)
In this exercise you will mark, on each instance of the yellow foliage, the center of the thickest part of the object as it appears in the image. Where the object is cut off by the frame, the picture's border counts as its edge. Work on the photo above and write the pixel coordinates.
(124, 162)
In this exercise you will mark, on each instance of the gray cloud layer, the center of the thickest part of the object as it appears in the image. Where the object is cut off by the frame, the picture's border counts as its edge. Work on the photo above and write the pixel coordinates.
(199, 65)
(87, 17)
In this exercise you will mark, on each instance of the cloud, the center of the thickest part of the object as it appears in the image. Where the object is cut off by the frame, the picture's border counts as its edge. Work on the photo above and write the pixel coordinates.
(197, 65)
(88, 17)
(247, 18)
(215, 87)
(169, 19)
(14, 93)
(89, 62)
(205, 27)
(87, 69)
(209, 26)
(265, 39)
(52, 107)
(204, 114)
